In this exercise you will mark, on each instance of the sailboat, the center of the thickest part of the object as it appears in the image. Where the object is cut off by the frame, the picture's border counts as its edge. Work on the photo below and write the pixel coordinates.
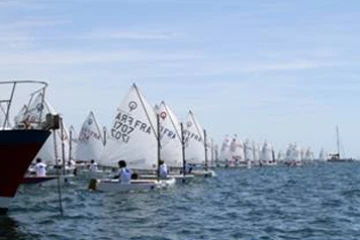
(336, 157)
(309, 155)
(323, 156)
(237, 152)
(171, 144)
(89, 144)
(249, 153)
(224, 157)
(256, 149)
(281, 156)
(214, 150)
(55, 150)
(267, 157)
(195, 139)
(134, 138)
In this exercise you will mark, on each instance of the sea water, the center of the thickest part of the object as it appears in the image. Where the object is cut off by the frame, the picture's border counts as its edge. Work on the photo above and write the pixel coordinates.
(317, 201)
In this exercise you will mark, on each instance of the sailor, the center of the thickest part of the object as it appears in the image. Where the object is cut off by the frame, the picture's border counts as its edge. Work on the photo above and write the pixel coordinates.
(188, 168)
(93, 166)
(71, 164)
(163, 169)
(58, 164)
(124, 173)
(40, 168)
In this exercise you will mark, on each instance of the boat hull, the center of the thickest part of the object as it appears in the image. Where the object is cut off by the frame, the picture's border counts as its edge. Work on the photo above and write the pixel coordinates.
(203, 173)
(29, 180)
(179, 178)
(113, 185)
(17, 150)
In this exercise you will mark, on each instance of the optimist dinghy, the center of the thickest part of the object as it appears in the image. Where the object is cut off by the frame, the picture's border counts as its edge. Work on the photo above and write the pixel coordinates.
(196, 148)
(134, 138)
(113, 185)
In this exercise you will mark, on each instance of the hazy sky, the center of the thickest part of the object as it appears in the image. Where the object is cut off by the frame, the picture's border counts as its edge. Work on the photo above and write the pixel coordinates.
(285, 71)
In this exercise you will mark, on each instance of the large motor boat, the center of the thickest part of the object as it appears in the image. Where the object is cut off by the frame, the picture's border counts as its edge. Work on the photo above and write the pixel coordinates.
(18, 144)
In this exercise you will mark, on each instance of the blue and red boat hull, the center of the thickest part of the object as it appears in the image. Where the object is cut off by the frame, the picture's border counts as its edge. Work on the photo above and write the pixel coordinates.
(17, 150)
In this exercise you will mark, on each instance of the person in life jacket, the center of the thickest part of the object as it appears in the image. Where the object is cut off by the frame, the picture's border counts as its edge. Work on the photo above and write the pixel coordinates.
(163, 169)
(93, 166)
(187, 168)
(124, 173)
(40, 168)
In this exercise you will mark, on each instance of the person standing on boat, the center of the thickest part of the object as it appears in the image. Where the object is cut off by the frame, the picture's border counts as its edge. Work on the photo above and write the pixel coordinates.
(163, 169)
(93, 166)
(188, 168)
(40, 168)
(124, 173)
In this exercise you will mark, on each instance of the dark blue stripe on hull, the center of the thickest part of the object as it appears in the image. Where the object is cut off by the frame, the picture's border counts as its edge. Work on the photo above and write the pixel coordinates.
(23, 136)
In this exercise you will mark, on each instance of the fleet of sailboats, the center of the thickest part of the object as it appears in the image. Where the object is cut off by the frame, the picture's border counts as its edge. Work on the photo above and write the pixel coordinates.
(143, 136)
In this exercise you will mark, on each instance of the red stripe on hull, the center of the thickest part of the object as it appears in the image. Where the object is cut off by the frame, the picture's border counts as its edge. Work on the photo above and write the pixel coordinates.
(17, 150)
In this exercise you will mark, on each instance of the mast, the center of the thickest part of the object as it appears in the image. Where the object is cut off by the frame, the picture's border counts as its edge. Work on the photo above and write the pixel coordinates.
(158, 145)
(70, 144)
(62, 145)
(105, 136)
(212, 152)
(338, 141)
(254, 158)
(183, 148)
(205, 145)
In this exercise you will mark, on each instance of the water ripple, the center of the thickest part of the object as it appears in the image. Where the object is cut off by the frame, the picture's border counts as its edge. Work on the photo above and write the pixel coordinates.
(311, 202)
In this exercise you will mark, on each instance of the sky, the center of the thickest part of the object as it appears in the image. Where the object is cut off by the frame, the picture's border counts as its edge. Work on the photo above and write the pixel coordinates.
(282, 71)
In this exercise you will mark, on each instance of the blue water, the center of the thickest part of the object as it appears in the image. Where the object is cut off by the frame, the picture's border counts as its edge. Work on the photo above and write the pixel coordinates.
(309, 202)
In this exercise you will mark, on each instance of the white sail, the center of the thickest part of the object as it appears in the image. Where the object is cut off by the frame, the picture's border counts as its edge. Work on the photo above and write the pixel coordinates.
(213, 153)
(256, 149)
(208, 151)
(225, 150)
(309, 155)
(296, 153)
(266, 152)
(281, 156)
(170, 135)
(20, 116)
(37, 109)
(194, 141)
(57, 145)
(237, 149)
(289, 153)
(73, 140)
(132, 136)
(90, 143)
(323, 155)
(303, 154)
(249, 151)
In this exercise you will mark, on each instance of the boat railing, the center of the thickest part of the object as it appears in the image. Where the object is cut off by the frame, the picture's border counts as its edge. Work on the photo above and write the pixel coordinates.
(6, 103)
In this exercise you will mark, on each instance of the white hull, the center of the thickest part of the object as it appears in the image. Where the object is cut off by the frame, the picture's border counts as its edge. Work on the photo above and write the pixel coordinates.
(113, 185)
(64, 180)
(203, 173)
(86, 174)
(179, 178)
